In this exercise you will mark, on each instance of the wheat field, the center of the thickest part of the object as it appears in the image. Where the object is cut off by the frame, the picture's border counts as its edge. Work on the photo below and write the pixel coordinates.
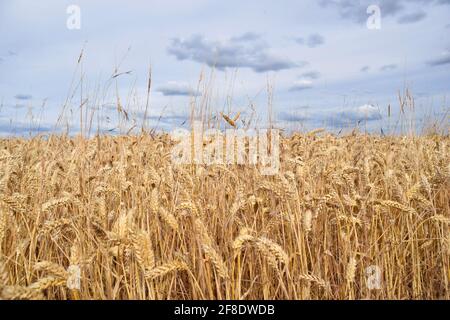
(138, 227)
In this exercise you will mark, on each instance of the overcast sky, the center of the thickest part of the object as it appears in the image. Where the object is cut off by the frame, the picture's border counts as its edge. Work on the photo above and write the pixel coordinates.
(326, 67)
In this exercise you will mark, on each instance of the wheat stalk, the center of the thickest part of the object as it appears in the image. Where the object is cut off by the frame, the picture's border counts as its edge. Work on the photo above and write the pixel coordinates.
(143, 249)
(168, 218)
(166, 269)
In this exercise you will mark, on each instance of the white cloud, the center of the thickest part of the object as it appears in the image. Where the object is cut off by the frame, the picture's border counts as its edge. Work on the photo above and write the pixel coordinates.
(301, 85)
(365, 112)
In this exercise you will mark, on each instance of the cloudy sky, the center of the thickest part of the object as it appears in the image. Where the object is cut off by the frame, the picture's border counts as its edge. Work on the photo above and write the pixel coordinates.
(318, 63)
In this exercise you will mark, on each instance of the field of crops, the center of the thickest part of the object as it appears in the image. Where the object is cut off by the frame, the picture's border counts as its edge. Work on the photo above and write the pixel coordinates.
(349, 217)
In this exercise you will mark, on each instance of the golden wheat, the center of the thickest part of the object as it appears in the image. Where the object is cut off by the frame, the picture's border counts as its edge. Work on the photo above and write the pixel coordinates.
(135, 225)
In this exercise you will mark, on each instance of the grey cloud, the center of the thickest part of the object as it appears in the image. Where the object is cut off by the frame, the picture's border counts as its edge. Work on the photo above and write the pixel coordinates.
(301, 85)
(172, 118)
(412, 17)
(8, 54)
(312, 75)
(253, 54)
(166, 120)
(300, 40)
(365, 112)
(365, 69)
(21, 96)
(388, 67)
(301, 64)
(357, 10)
(313, 40)
(177, 89)
(249, 36)
(10, 129)
(440, 61)
(294, 116)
